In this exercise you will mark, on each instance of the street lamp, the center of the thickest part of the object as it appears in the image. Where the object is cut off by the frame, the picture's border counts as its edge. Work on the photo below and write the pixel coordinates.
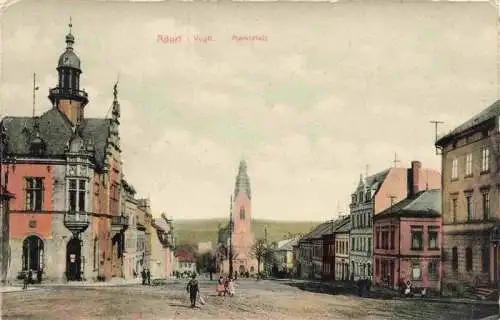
(231, 225)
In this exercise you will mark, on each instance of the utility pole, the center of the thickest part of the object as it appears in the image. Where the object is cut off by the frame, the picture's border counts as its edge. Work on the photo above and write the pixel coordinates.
(35, 88)
(396, 160)
(436, 123)
(231, 225)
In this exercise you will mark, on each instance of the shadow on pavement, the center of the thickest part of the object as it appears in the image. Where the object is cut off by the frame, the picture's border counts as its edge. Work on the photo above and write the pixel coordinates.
(341, 288)
(180, 305)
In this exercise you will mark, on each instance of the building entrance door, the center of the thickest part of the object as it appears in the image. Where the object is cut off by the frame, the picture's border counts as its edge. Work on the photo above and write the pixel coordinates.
(73, 260)
(33, 256)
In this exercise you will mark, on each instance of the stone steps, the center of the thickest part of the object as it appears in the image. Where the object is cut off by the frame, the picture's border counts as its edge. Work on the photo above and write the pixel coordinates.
(485, 293)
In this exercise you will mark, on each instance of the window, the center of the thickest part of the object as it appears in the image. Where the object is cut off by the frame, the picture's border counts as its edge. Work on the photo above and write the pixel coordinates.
(415, 271)
(377, 239)
(454, 259)
(114, 199)
(370, 245)
(34, 194)
(393, 238)
(485, 158)
(385, 239)
(242, 213)
(468, 200)
(432, 270)
(468, 259)
(454, 206)
(454, 169)
(96, 254)
(486, 259)
(433, 237)
(468, 165)
(486, 206)
(416, 238)
(77, 195)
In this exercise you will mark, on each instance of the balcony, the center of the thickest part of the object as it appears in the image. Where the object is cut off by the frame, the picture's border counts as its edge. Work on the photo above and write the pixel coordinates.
(58, 93)
(76, 222)
(119, 223)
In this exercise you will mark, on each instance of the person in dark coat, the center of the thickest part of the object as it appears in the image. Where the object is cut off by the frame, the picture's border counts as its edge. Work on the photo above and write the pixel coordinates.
(27, 279)
(143, 275)
(148, 276)
(193, 289)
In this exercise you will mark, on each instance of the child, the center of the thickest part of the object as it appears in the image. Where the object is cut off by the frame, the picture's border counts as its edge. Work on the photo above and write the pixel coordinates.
(230, 287)
(220, 286)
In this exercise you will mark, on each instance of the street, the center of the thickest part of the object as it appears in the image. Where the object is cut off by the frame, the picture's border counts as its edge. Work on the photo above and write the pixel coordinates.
(254, 300)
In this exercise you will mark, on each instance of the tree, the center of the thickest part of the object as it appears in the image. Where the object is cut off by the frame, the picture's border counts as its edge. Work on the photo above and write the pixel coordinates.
(261, 252)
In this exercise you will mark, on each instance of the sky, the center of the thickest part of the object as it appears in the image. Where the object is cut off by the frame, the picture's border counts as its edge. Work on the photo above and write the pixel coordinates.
(335, 88)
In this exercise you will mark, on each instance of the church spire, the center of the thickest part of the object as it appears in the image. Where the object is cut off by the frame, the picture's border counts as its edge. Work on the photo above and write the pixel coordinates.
(242, 181)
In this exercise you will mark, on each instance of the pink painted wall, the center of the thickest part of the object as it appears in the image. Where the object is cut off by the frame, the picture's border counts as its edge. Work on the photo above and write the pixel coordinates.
(242, 236)
(19, 222)
(405, 225)
(402, 250)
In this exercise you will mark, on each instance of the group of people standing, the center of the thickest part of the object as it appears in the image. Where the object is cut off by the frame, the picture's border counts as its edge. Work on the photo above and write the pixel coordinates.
(225, 286)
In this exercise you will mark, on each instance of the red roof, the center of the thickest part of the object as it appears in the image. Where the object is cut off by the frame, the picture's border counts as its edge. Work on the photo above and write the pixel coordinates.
(185, 256)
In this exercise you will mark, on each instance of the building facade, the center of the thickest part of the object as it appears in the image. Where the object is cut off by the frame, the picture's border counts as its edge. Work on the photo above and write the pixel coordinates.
(373, 195)
(162, 248)
(283, 255)
(129, 209)
(341, 259)
(408, 242)
(242, 239)
(470, 160)
(64, 169)
(5, 198)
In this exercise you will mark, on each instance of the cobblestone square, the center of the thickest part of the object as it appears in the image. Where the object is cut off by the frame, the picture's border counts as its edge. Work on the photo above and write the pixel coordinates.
(253, 300)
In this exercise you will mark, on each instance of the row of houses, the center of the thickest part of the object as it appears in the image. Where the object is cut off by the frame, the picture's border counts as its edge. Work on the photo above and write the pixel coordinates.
(67, 211)
(416, 225)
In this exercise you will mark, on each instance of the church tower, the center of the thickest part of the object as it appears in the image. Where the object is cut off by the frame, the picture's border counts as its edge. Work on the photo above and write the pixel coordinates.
(67, 96)
(243, 238)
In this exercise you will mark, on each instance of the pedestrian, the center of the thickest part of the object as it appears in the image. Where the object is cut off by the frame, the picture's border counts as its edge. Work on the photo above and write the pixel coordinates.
(26, 280)
(235, 275)
(193, 289)
(230, 287)
(143, 275)
(226, 285)
(148, 275)
(220, 286)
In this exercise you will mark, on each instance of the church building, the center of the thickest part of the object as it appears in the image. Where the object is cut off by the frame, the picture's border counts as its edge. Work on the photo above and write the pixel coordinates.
(242, 238)
(64, 170)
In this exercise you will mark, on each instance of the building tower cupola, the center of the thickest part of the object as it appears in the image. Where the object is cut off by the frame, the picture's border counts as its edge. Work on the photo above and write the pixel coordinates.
(242, 181)
(67, 96)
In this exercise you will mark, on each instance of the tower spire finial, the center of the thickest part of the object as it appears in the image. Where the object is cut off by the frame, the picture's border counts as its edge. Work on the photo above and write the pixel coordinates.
(70, 24)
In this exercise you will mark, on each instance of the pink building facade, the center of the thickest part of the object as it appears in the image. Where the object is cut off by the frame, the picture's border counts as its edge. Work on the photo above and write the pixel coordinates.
(408, 241)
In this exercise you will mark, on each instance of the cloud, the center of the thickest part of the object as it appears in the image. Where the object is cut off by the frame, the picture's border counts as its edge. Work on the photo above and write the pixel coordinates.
(332, 90)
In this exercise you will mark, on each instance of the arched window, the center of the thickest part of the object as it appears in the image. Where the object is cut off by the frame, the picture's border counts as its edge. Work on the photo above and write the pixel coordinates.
(242, 213)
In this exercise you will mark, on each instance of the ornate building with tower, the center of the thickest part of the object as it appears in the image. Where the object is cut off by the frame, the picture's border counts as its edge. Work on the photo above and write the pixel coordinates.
(64, 170)
(241, 237)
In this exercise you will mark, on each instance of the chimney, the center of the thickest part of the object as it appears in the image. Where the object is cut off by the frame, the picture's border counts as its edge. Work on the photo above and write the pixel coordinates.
(416, 169)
